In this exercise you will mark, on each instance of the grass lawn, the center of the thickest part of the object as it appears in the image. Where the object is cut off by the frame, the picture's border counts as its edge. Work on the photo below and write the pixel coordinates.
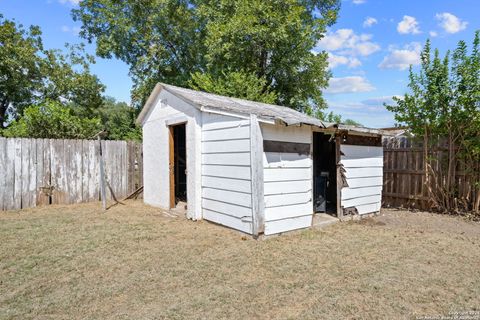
(137, 262)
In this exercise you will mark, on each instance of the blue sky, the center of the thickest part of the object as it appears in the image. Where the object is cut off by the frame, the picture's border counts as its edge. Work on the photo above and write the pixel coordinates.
(370, 47)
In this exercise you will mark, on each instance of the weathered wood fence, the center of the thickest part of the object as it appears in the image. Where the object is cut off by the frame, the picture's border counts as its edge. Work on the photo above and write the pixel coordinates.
(36, 172)
(404, 181)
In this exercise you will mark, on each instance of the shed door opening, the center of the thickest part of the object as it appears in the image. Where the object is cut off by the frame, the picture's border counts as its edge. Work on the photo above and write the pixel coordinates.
(178, 165)
(324, 173)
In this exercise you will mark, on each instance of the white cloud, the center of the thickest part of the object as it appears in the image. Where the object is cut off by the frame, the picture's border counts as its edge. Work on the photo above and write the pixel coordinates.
(450, 23)
(401, 59)
(359, 1)
(74, 30)
(349, 85)
(369, 21)
(408, 25)
(336, 60)
(72, 2)
(433, 34)
(348, 43)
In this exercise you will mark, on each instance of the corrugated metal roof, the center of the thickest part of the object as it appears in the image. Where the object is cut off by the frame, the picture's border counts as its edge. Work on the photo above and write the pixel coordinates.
(240, 106)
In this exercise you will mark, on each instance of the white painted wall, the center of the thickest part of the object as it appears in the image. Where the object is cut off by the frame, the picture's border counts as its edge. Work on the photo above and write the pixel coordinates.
(168, 110)
(364, 172)
(287, 181)
(226, 171)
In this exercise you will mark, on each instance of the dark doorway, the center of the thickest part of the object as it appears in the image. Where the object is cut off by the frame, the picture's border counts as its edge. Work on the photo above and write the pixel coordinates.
(178, 164)
(324, 173)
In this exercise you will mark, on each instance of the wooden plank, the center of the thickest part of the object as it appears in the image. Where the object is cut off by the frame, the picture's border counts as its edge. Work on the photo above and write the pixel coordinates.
(361, 201)
(286, 160)
(25, 173)
(18, 181)
(287, 187)
(364, 172)
(287, 174)
(287, 199)
(338, 176)
(92, 171)
(237, 159)
(9, 192)
(58, 171)
(32, 176)
(212, 121)
(84, 172)
(44, 178)
(227, 208)
(365, 182)
(232, 197)
(234, 172)
(301, 134)
(349, 193)
(362, 163)
(286, 147)
(278, 226)
(227, 184)
(227, 220)
(226, 146)
(360, 152)
(368, 208)
(257, 177)
(290, 211)
(235, 133)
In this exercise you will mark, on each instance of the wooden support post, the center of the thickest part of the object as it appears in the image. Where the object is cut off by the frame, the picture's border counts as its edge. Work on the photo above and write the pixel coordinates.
(256, 168)
(338, 158)
(102, 176)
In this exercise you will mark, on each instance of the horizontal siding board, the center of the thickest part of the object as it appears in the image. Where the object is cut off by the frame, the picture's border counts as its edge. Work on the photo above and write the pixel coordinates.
(241, 159)
(212, 121)
(363, 172)
(227, 146)
(286, 160)
(288, 211)
(272, 227)
(349, 193)
(301, 134)
(229, 221)
(234, 133)
(226, 208)
(355, 202)
(287, 174)
(232, 197)
(227, 184)
(362, 163)
(368, 208)
(365, 182)
(234, 172)
(359, 152)
(287, 199)
(286, 187)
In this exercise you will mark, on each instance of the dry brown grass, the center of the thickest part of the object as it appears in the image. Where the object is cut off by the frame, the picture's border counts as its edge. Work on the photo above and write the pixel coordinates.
(73, 262)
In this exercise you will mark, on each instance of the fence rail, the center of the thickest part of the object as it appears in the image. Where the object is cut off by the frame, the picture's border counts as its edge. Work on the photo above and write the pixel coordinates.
(36, 172)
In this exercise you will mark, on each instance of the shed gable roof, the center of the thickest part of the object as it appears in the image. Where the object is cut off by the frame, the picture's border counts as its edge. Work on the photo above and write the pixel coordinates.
(201, 99)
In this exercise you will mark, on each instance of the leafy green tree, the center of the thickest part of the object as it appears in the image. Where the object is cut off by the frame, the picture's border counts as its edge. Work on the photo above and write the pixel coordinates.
(443, 107)
(30, 74)
(19, 67)
(118, 120)
(188, 42)
(234, 84)
(52, 119)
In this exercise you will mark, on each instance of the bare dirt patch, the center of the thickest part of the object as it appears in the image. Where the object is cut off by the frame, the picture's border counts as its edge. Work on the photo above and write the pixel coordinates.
(138, 262)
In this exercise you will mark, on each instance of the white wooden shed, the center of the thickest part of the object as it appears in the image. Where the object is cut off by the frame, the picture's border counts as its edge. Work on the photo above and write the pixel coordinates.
(255, 167)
